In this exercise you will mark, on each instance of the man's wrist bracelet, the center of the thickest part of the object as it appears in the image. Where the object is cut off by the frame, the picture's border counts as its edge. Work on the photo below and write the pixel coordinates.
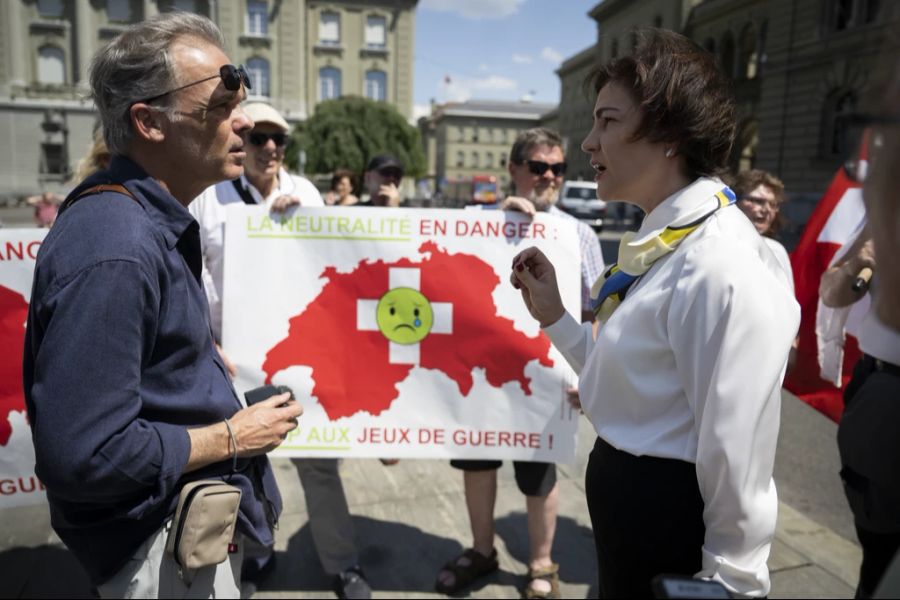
(233, 446)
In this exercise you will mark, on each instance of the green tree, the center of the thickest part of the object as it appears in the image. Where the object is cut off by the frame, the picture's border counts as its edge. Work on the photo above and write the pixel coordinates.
(347, 132)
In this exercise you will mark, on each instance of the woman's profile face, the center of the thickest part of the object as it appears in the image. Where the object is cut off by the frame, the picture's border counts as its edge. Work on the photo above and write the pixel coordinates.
(624, 169)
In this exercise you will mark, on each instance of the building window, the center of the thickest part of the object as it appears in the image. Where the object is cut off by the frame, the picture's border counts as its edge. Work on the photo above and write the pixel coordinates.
(50, 9)
(710, 45)
(726, 54)
(746, 143)
(502, 160)
(841, 14)
(460, 160)
(330, 28)
(839, 105)
(489, 160)
(257, 18)
(329, 83)
(51, 65)
(53, 159)
(375, 32)
(185, 5)
(475, 160)
(658, 21)
(258, 69)
(749, 57)
(118, 11)
(376, 85)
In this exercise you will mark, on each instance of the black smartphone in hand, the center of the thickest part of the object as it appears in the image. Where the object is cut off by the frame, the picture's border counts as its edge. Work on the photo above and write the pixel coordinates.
(265, 392)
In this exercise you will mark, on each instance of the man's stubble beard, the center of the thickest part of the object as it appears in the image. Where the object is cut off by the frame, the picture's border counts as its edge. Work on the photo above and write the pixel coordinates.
(544, 198)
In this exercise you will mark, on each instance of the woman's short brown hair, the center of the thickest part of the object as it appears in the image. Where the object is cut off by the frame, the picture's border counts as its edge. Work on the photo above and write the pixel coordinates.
(745, 182)
(686, 99)
(341, 174)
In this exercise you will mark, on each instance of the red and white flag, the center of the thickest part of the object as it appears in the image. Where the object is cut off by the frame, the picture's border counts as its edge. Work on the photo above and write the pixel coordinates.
(832, 224)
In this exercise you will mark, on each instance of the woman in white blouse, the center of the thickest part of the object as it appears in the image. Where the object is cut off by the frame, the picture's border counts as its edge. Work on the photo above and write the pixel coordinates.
(682, 380)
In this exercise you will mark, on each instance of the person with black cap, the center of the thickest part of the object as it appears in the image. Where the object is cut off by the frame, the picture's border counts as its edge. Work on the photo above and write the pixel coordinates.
(382, 180)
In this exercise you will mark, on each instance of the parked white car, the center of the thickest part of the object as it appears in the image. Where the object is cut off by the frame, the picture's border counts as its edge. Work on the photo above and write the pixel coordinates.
(579, 199)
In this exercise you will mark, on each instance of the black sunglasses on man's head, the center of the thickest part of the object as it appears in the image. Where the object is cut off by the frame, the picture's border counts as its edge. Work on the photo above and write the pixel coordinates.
(259, 139)
(232, 78)
(539, 167)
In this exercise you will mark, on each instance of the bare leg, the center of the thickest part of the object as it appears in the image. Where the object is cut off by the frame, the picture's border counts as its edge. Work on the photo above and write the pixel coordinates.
(481, 494)
(542, 511)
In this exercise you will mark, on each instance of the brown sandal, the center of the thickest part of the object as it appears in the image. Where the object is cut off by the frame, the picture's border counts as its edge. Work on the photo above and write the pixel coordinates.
(479, 566)
(550, 574)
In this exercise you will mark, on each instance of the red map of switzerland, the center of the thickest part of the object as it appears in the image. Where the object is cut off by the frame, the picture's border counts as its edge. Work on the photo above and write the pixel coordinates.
(13, 312)
(351, 368)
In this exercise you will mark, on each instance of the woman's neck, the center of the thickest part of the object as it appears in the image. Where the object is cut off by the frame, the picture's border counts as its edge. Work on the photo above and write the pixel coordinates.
(264, 184)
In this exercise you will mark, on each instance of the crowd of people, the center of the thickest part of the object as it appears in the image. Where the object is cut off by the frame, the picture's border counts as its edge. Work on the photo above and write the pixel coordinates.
(680, 478)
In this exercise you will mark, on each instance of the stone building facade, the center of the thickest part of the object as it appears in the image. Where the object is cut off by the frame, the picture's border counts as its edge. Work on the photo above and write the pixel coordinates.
(798, 68)
(463, 139)
(298, 53)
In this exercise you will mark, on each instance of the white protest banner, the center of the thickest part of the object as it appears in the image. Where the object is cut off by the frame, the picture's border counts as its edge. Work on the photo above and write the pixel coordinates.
(18, 484)
(398, 330)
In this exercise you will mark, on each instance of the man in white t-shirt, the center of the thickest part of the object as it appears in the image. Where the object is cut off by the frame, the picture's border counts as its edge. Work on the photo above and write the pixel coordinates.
(265, 181)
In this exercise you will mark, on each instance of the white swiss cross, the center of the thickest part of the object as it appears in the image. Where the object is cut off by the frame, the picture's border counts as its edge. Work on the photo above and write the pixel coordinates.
(404, 354)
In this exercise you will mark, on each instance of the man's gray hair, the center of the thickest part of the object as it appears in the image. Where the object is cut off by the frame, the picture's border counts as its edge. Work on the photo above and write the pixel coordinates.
(137, 65)
(528, 139)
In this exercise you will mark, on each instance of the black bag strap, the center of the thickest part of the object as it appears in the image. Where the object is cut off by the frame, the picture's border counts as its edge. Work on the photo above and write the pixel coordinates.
(243, 192)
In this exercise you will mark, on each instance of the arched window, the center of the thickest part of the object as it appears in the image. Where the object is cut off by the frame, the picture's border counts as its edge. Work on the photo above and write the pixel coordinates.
(329, 83)
(749, 58)
(475, 160)
(839, 105)
(376, 85)
(51, 65)
(375, 32)
(258, 69)
(726, 54)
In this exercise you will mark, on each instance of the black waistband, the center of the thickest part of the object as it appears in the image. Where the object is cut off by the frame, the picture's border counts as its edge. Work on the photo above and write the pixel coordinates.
(882, 366)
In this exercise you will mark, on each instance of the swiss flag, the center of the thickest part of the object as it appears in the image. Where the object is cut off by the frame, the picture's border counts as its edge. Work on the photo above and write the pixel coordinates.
(831, 225)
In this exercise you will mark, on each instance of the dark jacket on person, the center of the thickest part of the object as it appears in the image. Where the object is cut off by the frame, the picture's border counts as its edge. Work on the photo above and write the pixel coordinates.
(119, 363)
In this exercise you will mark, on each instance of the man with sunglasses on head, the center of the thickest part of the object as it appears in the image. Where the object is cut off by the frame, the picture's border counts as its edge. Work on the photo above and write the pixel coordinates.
(537, 167)
(127, 397)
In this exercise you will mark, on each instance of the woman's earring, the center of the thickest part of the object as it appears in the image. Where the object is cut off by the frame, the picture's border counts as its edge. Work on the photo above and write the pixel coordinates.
(669, 153)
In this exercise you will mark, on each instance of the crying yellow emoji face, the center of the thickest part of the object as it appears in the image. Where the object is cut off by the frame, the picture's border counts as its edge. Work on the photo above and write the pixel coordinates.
(404, 316)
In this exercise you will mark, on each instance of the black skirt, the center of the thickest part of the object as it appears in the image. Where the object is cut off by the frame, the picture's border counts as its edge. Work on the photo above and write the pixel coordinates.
(647, 516)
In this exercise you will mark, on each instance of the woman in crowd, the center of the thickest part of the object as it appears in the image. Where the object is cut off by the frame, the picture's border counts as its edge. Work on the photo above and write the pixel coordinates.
(341, 192)
(683, 380)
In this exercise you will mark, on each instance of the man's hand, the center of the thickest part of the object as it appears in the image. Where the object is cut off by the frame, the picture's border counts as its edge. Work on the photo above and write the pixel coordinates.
(284, 202)
(260, 428)
(388, 195)
(535, 277)
(517, 203)
(573, 398)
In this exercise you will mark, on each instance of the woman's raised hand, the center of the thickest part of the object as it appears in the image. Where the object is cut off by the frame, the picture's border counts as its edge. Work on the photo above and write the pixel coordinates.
(535, 277)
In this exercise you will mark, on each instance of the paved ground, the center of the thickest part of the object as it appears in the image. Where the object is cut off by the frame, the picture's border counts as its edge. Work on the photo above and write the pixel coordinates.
(410, 518)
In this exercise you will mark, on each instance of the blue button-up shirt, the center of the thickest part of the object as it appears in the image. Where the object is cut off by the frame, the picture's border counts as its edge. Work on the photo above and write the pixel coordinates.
(119, 363)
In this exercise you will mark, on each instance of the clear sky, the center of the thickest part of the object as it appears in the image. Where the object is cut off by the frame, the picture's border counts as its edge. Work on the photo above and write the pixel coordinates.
(496, 49)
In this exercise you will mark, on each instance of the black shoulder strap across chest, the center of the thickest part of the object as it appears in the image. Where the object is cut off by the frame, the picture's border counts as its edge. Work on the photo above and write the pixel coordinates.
(243, 192)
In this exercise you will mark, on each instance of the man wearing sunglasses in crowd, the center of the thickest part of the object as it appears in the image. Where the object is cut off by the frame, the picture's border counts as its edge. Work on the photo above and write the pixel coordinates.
(537, 167)
(265, 181)
(126, 394)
